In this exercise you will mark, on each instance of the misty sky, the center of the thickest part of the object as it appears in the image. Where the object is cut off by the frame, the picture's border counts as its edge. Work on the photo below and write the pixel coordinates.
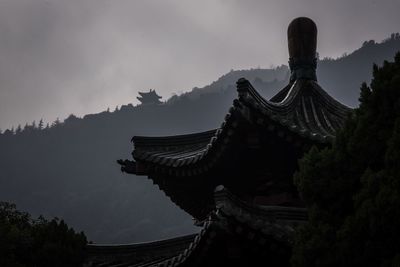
(63, 57)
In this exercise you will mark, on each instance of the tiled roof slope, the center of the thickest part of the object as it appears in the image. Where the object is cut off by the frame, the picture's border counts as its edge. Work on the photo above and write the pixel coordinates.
(301, 113)
(260, 225)
(136, 254)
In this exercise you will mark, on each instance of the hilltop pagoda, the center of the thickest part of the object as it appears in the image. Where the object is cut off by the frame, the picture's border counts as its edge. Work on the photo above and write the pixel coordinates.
(236, 181)
(149, 98)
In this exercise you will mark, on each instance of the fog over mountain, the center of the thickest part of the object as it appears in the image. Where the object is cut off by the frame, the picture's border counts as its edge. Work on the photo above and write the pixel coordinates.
(60, 57)
(69, 169)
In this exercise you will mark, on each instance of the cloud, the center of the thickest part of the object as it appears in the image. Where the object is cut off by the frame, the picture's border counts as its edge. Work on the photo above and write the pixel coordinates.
(62, 57)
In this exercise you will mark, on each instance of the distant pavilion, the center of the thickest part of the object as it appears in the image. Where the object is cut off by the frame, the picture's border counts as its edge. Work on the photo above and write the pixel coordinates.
(149, 98)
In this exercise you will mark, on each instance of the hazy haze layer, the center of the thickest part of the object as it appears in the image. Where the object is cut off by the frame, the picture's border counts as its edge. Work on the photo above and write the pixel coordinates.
(62, 57)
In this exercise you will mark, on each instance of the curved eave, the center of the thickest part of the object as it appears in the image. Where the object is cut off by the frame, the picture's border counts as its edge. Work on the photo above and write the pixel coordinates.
(255, 223)
(231, 215)
(136, 254)
(306, 109)
(306, 115)
(138, 248)
(259, 217)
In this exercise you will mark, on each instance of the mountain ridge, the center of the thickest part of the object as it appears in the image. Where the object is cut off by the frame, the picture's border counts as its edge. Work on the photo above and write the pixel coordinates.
(68, 170)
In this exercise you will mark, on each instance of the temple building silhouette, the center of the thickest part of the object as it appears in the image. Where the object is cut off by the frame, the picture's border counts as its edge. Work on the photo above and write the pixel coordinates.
(236, 181)
(149, 98)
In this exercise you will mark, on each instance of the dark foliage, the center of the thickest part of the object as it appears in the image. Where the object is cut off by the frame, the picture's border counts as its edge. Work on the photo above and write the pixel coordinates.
(28, 242)
(352, 190)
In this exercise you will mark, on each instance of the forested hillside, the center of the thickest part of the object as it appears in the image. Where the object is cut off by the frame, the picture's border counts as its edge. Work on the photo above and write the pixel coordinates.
(69, 169)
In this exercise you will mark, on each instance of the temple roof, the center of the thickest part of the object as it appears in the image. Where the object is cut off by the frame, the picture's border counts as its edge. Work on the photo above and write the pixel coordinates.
(254, 153)
(150, 93)
(255, 150)
(138, 253)
(261, 226)
(300, 113)
(267, 230)
(150, 97)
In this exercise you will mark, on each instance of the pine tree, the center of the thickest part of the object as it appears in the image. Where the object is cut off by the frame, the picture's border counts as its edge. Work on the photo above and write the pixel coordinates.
(352, 190)
(19, 129)
(56, 123)
(40, 126)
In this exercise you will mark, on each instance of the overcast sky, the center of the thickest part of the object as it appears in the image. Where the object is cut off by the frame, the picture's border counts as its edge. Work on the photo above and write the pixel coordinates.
(63, 57)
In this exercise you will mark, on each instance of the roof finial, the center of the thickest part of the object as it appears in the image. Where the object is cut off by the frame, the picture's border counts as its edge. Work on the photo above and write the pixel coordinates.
(302, 43)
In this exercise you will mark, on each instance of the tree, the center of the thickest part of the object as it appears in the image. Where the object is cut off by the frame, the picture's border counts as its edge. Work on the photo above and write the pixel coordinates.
(28, 242)
(19, 129)
(8, 133)
(352, 190)
(40, 126)
(56, 123)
